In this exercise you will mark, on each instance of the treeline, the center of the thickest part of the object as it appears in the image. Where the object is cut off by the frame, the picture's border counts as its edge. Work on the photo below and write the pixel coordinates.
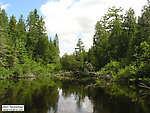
(78, 61)
(25, 47)
(121, 47)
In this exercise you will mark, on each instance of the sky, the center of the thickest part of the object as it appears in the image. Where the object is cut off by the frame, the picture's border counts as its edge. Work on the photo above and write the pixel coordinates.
(70, 19)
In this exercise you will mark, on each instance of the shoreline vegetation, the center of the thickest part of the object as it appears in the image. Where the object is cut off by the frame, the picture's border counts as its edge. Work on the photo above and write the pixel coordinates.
(120, 52)
(82, 76)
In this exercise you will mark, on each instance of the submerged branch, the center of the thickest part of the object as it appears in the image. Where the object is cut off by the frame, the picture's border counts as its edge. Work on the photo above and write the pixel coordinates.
(144, 85)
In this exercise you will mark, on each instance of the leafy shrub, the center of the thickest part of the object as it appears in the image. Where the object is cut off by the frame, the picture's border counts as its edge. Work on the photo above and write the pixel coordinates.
(17, 70)
(143, 69)
(36, 69)
(26, 68)
(3, 72)
(126, 74)
(50, 68)
(111, 68)
(58, 67)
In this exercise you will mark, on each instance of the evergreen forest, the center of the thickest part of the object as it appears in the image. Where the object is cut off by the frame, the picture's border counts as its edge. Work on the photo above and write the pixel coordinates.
(120, 50)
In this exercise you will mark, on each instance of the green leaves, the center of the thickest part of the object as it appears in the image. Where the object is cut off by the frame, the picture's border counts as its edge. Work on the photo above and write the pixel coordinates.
(70, 63)
(4, 52)
(25, 48)
(121, 46)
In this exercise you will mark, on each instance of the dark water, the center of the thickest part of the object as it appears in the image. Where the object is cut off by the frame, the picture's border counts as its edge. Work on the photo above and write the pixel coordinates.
(52, 95)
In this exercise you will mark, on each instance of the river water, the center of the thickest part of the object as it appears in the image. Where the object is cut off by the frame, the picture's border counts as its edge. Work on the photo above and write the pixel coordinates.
(52, 95)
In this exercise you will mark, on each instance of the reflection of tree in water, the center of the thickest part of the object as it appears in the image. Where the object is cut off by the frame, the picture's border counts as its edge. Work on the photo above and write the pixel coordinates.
(41, 96)
(74, 88)
(99, 100)
(79, 101)
(45, 99)
(37, 96)
(110, 101)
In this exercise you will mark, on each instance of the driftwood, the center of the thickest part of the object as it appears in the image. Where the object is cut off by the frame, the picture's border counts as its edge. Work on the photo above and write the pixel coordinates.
(62, 74)
(79, 74)
(144, 85)
(27, 76)
(145, 93)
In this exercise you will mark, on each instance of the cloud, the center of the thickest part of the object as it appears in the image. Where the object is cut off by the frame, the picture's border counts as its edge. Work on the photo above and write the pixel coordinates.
(4, 6)
(69, 18)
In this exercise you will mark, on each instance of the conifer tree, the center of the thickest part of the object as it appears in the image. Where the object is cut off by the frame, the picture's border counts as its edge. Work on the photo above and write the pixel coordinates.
(4, 52)
(32, 33)
(36, 35)
(144, 23)
(13, 40)
(129, 34)
(3, 46)
(56, 44)
(80, 47)
(22, 34)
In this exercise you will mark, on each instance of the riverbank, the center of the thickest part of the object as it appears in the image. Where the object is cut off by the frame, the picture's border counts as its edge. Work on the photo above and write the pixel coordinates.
(80, 75)
(94, 78)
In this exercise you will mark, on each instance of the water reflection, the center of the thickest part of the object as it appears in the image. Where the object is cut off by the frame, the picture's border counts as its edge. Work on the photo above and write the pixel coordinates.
(52, 95)
(73, 104)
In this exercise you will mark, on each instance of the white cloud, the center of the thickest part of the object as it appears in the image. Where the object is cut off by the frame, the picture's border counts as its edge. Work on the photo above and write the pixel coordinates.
(69, 18)
(4, 6)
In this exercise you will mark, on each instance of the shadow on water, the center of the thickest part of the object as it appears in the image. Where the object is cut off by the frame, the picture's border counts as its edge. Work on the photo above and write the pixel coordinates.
(52, 95)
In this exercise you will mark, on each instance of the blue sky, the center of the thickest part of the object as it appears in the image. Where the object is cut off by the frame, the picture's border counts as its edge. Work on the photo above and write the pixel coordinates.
(18, 7)
(70, 19)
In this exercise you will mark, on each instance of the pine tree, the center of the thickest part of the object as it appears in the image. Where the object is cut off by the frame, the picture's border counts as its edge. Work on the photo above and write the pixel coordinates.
(36, 35)
(144, 24)
(4, 53)
(129, 37)
(79, 51)
(114, 15)
(100, 43)
(3, 46)
(56, 44)
(80, 47)
(13, 40)
(32, 33)
(114, 24)
(3, 20)
(22, 34)
(106, 41)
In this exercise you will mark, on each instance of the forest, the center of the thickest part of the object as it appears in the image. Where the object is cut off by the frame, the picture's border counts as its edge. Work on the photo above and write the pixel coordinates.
(120, 50)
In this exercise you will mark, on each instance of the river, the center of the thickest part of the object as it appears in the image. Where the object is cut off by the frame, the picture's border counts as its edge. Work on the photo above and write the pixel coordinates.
(53, 95)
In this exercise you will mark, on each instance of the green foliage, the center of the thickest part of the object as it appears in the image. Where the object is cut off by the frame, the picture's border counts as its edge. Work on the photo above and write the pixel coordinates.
(32, 67)
(126, 74)
(58, 66)
(77, 61)
(80, 47)
(3, 72)
(70, 63)
(121, 45)
(88, 67)
(142, 52)
(26, 68)
(17, 70)
(25, 47)
(91, 58)
(111, 68)
(144, 24)
(4, 52)
(22, 30)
